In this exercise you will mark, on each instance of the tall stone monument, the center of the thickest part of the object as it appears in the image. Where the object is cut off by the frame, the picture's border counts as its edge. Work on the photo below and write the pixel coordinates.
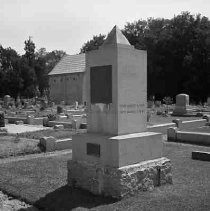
(117, 156)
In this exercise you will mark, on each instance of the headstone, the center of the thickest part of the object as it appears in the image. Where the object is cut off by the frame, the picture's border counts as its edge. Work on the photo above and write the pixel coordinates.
(59, 109)
(62, 117)
(58, 127)
(63, 103)
(76, 105)
(182, 105)
(2, 120)
(44, 104)
(30, 119)
(117, 144)
(208, 101)
(76, 124)
(19, 122)
(48, 143)
(158, 103)
(45, 121)
(30, 113)
(26, 104)
(150, 104)
(7, 99)
(18, 102)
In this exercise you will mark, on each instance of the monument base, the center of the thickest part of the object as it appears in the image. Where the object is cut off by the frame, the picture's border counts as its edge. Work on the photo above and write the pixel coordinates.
(122, 181)
(184, 111)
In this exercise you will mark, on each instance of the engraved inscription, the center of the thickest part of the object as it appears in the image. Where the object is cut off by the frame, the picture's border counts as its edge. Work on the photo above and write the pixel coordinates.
(132, 108)
(93, 149)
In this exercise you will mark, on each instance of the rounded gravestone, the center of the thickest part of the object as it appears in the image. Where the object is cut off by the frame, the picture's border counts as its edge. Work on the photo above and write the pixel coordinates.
(182, 102)
(7, 99)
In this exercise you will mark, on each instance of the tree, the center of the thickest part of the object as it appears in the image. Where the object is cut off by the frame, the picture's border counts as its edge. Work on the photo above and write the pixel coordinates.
(29, 50)
(93, 44)
(41, 74)
(52, 58)
(23, 74)
(29, 78)
(178, 54)
(28, 74)
(45, 62)
(10, 77)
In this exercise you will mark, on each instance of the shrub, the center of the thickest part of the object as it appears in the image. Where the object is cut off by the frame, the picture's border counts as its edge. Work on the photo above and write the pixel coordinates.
(59, 109)
(51, 117)
(168, 100)
(3, 130)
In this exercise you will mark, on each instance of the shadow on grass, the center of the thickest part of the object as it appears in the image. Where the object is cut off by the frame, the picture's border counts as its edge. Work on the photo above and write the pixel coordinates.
(68, 198)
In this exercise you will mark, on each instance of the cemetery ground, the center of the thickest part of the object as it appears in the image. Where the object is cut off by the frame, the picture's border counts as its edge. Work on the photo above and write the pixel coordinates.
(42, 182)
(28, 142)
(41, 179)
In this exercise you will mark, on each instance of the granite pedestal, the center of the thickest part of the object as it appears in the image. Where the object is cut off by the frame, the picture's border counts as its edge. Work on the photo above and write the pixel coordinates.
(118, 166)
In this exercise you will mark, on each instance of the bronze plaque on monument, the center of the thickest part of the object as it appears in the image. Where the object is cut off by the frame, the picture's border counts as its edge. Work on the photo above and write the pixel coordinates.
(93, 149)
(101, 84)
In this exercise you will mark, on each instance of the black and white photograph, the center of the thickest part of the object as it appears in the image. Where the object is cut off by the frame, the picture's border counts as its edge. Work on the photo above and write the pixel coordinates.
(104, 105)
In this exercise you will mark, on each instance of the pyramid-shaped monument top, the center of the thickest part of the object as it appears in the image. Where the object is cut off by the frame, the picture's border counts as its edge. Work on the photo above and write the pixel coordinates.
(116, 37)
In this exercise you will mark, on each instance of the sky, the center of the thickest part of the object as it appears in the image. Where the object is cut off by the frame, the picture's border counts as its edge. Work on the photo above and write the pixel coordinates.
(68, 24)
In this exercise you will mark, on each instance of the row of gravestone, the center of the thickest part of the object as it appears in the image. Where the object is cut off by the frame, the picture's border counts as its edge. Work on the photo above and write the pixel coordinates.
(183, 107)
(10, 103)
(181, 100)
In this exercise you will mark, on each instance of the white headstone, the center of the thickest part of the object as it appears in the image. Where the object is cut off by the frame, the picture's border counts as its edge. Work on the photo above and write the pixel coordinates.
(182, 104)
(208, 101)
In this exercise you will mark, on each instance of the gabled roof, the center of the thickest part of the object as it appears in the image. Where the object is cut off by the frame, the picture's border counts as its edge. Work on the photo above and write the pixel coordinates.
(69, 64)
(116, 37)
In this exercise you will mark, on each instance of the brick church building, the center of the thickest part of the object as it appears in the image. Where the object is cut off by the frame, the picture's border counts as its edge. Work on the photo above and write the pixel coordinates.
(67, 81)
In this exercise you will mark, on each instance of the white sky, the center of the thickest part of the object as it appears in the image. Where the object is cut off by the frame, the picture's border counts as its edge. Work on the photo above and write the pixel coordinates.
(68, 24)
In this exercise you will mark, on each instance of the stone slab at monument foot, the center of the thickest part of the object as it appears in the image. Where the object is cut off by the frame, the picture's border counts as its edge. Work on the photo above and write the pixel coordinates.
(117, 156)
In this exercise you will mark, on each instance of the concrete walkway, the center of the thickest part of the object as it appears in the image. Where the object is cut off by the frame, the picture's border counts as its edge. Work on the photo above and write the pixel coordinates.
(14, 129)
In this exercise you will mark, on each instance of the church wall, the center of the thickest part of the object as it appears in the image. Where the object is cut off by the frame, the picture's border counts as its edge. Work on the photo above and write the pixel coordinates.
(68, 87)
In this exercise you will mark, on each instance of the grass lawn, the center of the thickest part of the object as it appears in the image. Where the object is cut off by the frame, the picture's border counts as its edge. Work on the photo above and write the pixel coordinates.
(59, 134)
(27, 143)
(12, 146)
(42, 181)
